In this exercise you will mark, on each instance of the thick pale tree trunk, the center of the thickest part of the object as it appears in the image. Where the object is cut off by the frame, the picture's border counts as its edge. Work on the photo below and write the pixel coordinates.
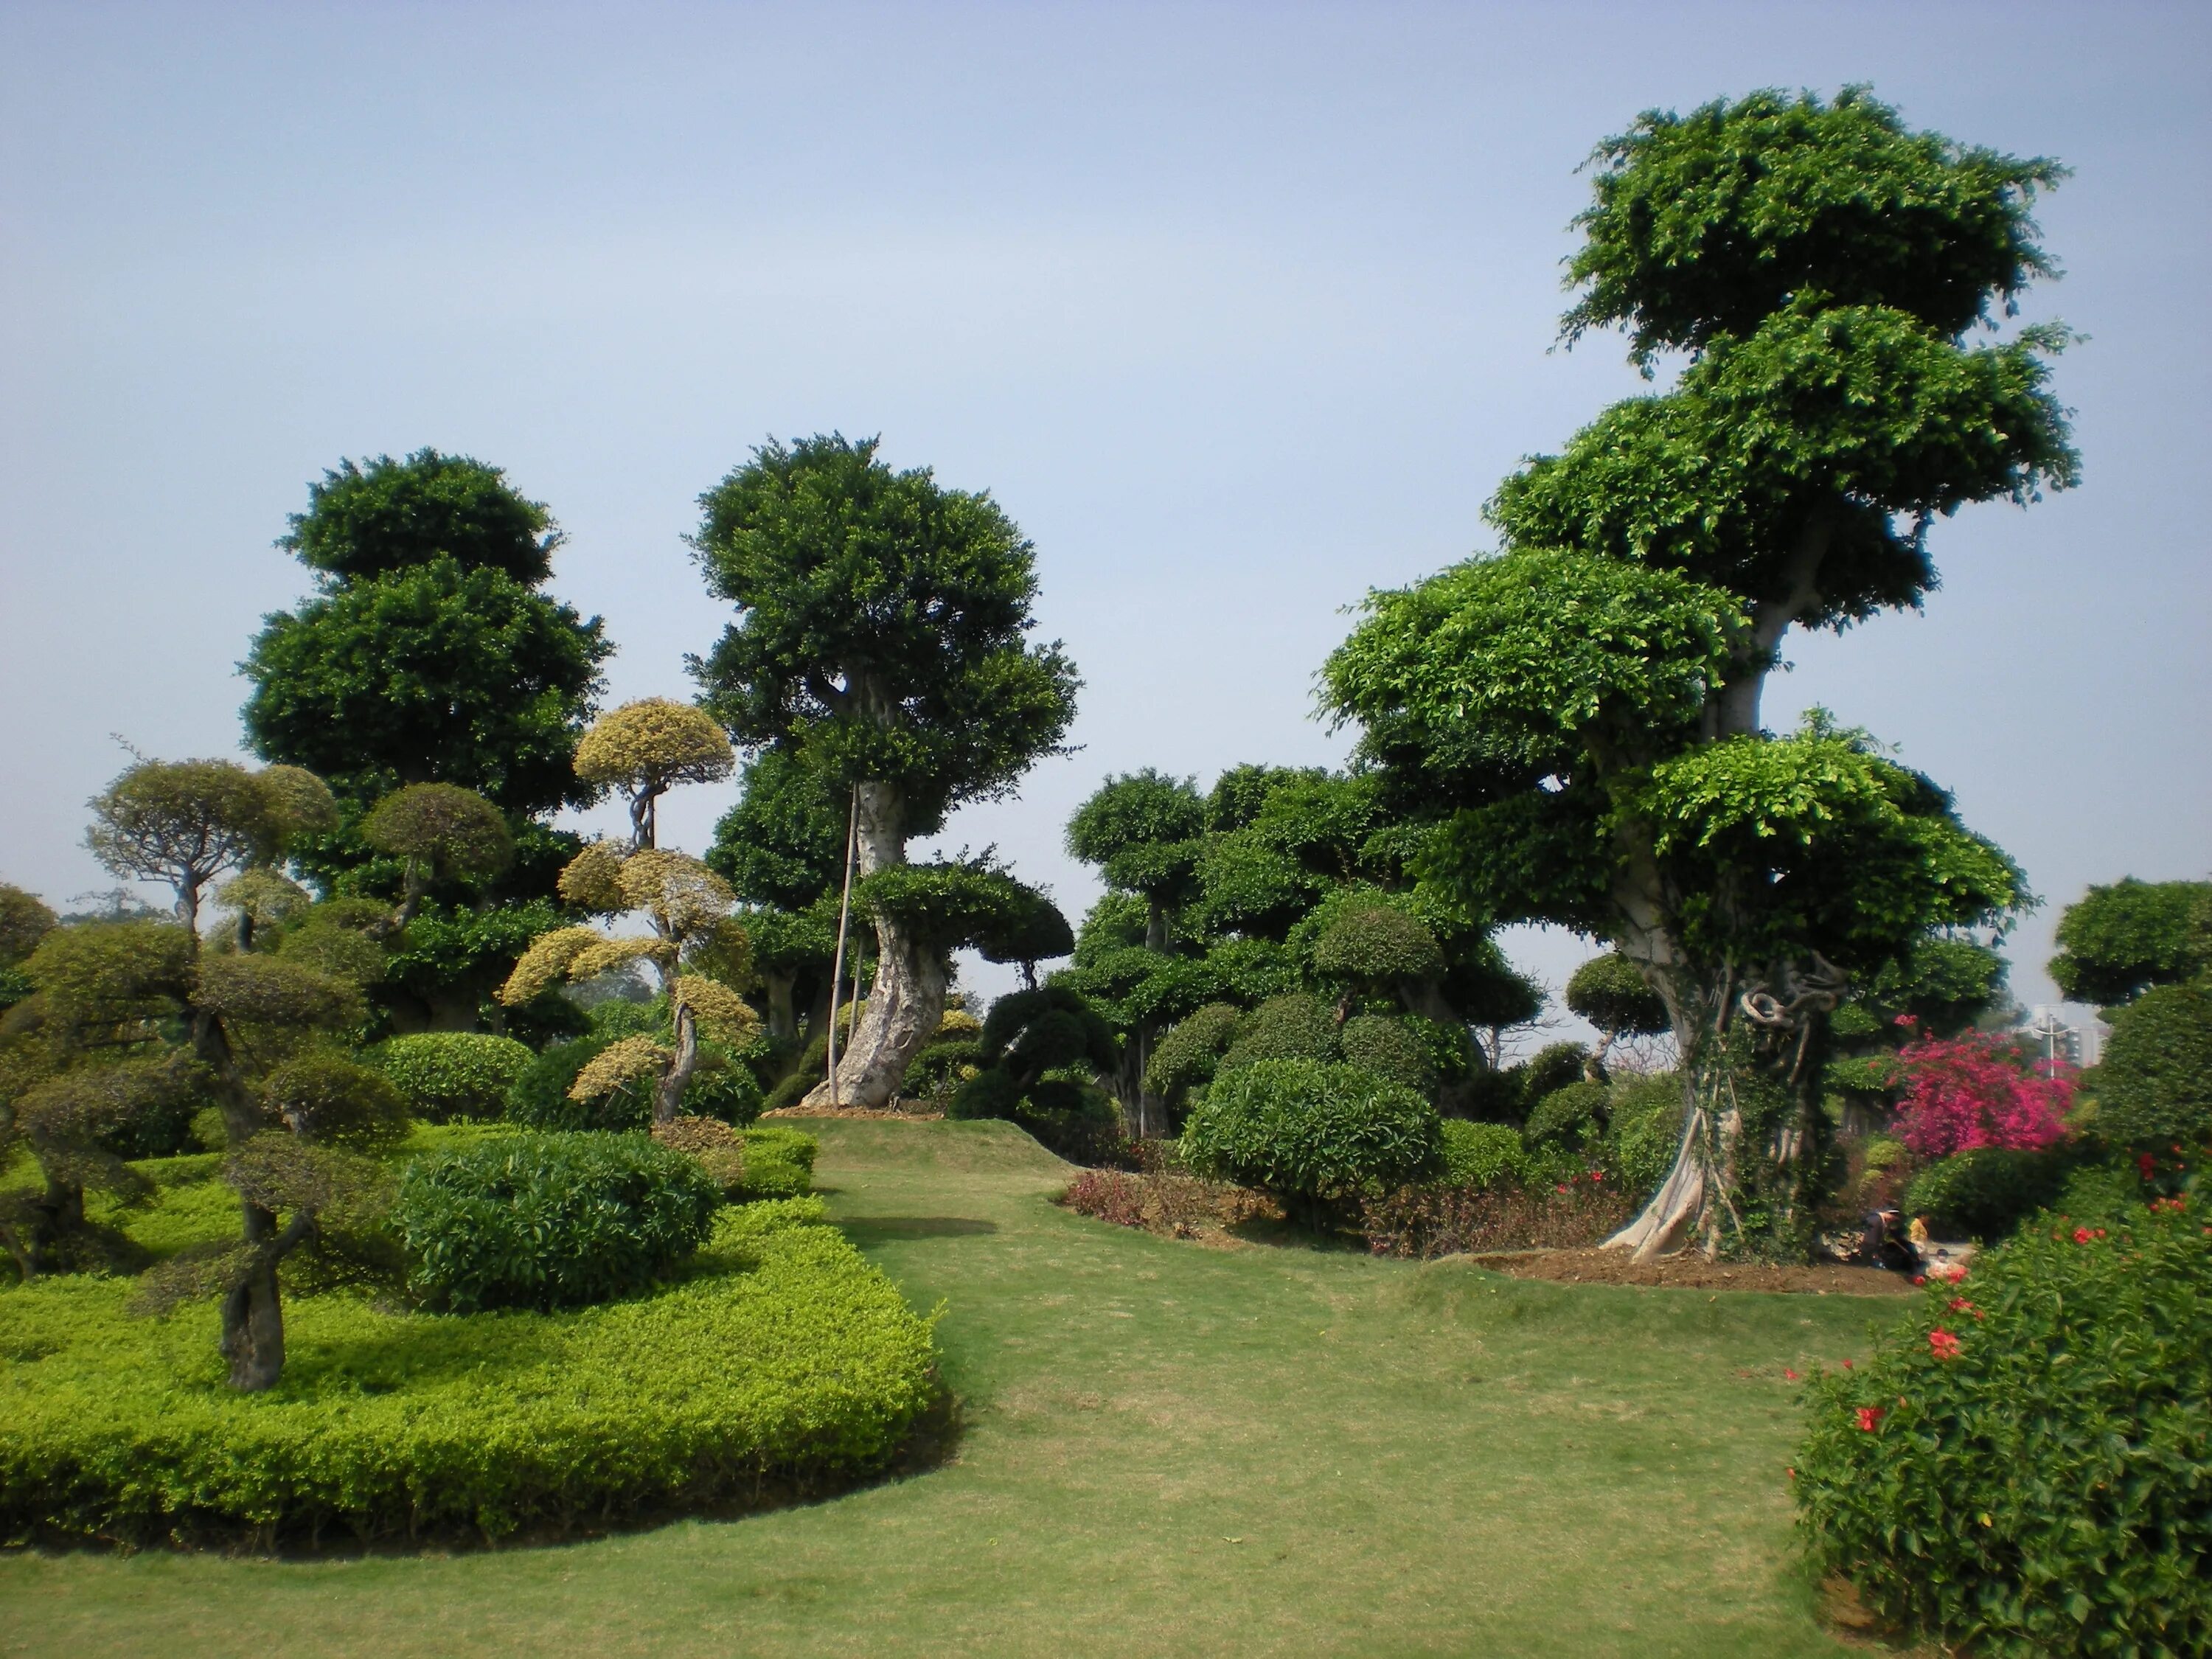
(782, 1018)
(906, 1003)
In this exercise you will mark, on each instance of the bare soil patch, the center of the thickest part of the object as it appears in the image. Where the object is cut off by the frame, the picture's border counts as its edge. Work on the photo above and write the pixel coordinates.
(1691, 1272)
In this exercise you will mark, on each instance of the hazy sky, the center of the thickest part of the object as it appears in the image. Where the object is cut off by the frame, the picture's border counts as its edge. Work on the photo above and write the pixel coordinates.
(1238, 310)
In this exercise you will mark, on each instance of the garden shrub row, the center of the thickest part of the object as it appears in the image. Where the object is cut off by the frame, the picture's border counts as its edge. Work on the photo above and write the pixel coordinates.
(785, 1362)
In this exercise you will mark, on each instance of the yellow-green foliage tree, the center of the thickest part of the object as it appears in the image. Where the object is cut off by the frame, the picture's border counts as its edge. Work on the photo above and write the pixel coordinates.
(694, 946)
(643, 748)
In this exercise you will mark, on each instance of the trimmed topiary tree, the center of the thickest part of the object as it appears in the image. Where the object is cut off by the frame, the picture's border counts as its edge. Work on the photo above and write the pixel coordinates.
(2154, 1086)
(1316, 1135)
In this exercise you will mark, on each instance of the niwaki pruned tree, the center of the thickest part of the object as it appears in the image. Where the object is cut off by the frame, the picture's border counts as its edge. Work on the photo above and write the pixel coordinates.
(881, 643)
(1585, 702)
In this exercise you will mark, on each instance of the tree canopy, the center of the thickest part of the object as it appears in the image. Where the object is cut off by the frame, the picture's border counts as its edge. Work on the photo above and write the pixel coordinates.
(881, 625)
(2116, 942)
(1578, 714)
(372, 520)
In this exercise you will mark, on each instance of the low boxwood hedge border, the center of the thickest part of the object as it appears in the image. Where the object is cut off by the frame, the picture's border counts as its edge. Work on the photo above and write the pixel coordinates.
(784, 1363)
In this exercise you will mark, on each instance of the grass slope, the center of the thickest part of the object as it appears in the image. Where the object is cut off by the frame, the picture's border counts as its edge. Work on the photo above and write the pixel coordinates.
(1168, 1449)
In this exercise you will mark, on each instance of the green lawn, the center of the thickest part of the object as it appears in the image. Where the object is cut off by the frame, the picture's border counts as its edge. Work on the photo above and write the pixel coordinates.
(1166, 1450)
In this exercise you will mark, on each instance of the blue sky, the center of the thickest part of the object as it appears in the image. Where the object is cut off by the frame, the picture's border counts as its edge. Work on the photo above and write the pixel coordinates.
(1239, 310)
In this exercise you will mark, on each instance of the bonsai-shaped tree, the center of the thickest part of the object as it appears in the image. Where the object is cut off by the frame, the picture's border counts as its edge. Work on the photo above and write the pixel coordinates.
(694, 938)
(1585, 704)
(1611, 993)
(643, 748)
(185, 823)
(2116, 942)
(880, 644)
(111, 995)
(1036, 931)
(441, 832)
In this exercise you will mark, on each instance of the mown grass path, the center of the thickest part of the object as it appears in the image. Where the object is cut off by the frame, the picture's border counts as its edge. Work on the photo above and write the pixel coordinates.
(1166, 1450)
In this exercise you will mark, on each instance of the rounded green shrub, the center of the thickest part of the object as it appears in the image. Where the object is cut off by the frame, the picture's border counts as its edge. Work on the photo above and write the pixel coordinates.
(540, 1099)
(723, 1088)
(785, 1358)
(1551, 1068)
(328, 1098)
(453, 1074)
(779, 1164)
(550, 1220)
(1481, 1154)
(1293, 1026)
(2154, 1086)
(1388, 1049)
(1987, 1191)
(1573, 1117)
(1313, 1133)
(2020, 1468)
(1190, 1052)
(1646, 1131)
(941, 1067)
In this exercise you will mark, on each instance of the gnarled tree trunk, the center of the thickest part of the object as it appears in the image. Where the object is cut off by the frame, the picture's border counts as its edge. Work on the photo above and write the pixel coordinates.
(906, 1003)
(252, 1313)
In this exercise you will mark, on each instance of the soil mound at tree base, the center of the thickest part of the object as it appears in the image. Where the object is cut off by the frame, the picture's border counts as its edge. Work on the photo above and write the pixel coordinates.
(1689, 1271)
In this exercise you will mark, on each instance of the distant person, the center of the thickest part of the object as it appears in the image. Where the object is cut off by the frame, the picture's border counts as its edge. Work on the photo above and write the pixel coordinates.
(1885, 1244)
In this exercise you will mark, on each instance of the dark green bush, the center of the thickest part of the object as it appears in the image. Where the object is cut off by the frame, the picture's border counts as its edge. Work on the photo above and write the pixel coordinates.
(941, 1067)
(2154, 1086)
(1391, 1049)
(1315, 1134)
(1573, 1117)
(540, 1099)
(1293, 1026)
(722, 1088)
(1190, 1052)
(1481, 1154)
(328, 1098)
(2042, 1489)
(1551, 1067)
(453, 1074)
(786, 1360)
(1987, 1191)
(1646, 1131)
(550, 1220)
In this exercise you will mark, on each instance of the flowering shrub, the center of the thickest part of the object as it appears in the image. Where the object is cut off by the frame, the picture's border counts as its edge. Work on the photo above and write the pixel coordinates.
(2022, 1468)
(1961, 1093)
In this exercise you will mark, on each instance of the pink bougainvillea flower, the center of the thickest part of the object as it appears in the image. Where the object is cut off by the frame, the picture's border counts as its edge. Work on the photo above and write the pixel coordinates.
(1942, 1344)
(1868, 1416)
(1970, 1091)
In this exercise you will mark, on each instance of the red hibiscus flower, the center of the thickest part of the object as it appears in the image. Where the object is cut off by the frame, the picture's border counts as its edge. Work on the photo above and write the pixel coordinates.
(1944, 1344)
(1868, 1416)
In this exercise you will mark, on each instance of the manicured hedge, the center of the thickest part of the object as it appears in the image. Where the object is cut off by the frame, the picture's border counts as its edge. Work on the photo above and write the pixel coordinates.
(452, 1074)
(2024, 1466)
(550, 1220)
(784, 1363)
(779, 1164)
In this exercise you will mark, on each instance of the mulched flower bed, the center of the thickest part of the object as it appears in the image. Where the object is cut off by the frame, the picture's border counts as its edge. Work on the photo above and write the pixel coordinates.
(1691, 1271)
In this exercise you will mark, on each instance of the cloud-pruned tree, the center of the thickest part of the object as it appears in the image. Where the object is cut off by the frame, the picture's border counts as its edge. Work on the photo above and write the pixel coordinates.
(880, 644)
(1586, 701)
